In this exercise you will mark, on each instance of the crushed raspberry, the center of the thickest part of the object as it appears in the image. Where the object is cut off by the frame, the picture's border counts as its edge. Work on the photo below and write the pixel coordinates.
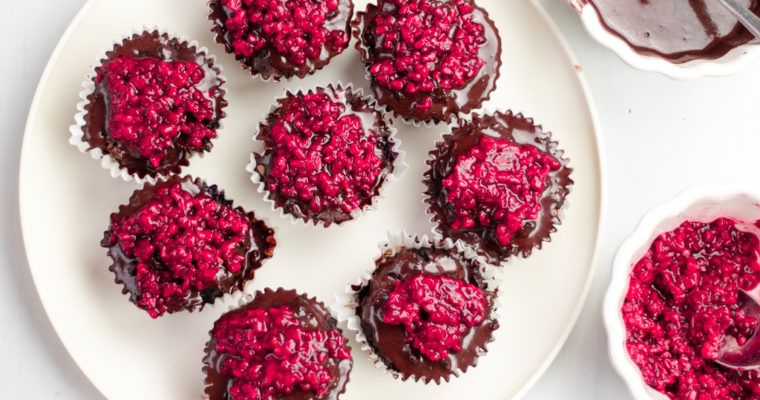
(498, 184)
(437, 312)
(682, 300)
(181, 242)
(154, 102)
(322, 155)
(266, 353)
(431, 44)
(294, 28)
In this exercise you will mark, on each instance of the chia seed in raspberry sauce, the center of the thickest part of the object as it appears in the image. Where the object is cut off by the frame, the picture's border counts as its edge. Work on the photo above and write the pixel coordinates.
(157, 100)
(429, 60)
(327, 153)
(426, 312)
(180, 244)
(281, 345)
(497, 183)
(279, 38)
(682, 300)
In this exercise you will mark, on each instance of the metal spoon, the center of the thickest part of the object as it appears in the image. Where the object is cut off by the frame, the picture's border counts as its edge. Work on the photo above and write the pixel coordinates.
(745, 16)
(744, 357)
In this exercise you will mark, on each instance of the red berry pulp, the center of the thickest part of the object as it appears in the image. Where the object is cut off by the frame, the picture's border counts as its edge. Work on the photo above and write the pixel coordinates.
(181, 242)
(682, 300)
(433, 45)
(437, 312)
(323, 155)
(294, 28)
(498, 184)
(266, 353)
(154, 102)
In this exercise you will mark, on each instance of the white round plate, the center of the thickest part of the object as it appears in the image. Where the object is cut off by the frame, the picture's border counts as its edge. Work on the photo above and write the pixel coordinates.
(66, 198)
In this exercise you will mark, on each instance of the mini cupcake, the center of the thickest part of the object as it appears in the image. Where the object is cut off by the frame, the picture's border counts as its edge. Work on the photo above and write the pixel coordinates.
(497, 183)
(425, 312)
(276, 38)
(179, 245)
(281, 345)
(327, 154)
(153, 101)
(429, 60)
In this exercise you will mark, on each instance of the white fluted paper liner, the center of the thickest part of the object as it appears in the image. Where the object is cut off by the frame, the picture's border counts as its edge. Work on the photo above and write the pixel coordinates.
(399, 164)
(346, 303)
(243, 299)
(469, 250)
(106, 161)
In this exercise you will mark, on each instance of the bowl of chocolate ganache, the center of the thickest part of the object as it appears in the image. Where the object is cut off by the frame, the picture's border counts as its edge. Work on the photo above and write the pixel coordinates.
(681, 39)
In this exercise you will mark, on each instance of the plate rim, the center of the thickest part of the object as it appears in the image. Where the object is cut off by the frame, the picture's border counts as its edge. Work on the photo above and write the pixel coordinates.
(595, 134)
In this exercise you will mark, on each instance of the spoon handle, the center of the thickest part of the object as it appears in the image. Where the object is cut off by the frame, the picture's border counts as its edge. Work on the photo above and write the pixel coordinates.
(746, 17)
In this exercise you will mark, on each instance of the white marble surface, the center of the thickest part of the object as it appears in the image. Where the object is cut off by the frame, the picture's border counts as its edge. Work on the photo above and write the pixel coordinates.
(659, 136)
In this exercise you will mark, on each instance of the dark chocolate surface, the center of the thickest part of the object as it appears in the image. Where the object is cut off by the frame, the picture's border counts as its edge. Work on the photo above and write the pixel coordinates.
(678, 30)
(268, 62)
(521, 131)
(159, 47)
(372, 120)
(389, 341)
(312, 315)
(258, 246)
(446, 104)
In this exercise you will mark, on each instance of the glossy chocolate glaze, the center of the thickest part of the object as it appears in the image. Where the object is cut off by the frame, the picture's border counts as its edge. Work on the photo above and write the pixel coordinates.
(312, 314)
(677, 30)
(159, 47)
(258, 246)
(518, 130)
(372, 120)
(267, 61)
(389, 341)
(445, 103)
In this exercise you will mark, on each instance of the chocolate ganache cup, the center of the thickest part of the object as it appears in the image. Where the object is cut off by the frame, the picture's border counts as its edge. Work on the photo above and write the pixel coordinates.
(323, 349)
(180, 104)
(405, 348)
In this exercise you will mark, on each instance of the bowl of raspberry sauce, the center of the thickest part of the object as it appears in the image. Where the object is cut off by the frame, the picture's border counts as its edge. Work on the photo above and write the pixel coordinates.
(680, 39)
(673, 295)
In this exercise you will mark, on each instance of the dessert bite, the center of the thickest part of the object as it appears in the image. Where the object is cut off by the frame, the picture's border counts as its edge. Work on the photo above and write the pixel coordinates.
(281, 345)
(497, 183)
(156, 101)
(429, 60)
(277, 39)
(180, 244)
(327, 154)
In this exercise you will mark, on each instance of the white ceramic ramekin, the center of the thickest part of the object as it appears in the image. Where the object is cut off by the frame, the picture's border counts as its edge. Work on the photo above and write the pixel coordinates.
(730, 63)
(740, 202)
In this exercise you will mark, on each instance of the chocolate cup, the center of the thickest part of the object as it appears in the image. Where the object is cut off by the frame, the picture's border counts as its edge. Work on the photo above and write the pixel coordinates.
(157, 46)
(520, 131)
(266, 62)
(258, 246)
(313, 315)
(446, 104)
(388, 342)
(362, 106)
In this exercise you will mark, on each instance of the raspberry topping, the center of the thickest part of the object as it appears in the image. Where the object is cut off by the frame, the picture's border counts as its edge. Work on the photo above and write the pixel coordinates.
(323, 155)
(498, 184)
(182, 242)
(266, 353)
(426, 45)
(437, 312)
(154, 103)
(682, 300)
(296, 29)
